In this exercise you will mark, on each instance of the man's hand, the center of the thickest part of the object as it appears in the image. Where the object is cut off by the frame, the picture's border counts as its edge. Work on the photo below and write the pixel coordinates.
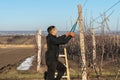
(72, 34)
(68, 34)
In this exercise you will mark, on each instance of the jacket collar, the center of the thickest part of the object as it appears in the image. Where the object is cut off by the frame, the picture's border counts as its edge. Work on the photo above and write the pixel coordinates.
(51, 35)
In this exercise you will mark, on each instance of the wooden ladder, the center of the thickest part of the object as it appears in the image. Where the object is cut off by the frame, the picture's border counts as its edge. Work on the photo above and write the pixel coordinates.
(67, 75)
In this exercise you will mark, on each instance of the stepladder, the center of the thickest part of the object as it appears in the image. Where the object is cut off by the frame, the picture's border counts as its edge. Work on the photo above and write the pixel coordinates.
(64, 56)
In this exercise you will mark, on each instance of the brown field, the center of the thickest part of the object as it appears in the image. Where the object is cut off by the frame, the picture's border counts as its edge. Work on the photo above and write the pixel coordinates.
(11, 57)
(14, 55)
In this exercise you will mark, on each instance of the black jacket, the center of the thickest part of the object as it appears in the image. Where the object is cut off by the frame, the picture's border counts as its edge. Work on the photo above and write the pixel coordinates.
(53, 43)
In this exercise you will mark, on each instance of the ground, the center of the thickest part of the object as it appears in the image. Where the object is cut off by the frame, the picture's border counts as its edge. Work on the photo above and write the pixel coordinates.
(11, 57)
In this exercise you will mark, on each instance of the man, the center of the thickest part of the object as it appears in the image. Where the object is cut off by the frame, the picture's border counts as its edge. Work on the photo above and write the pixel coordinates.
(52, 53)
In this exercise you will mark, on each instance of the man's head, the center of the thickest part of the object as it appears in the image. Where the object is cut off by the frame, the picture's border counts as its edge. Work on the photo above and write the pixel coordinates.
(52, 30)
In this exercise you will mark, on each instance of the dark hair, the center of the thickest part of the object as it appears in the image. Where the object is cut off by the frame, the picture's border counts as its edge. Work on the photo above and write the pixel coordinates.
(50, 28)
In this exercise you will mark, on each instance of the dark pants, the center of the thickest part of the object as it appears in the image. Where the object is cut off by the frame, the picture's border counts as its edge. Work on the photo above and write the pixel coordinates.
(53, 66)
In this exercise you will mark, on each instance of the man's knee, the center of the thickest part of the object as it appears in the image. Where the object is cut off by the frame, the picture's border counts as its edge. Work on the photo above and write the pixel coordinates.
(61, 67)
(64, 69)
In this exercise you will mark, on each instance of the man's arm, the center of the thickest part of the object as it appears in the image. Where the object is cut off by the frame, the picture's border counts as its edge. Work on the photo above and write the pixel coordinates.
(62, 37)
(59, 40)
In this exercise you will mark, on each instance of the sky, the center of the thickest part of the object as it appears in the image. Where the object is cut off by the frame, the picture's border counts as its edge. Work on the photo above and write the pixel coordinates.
(29, 15)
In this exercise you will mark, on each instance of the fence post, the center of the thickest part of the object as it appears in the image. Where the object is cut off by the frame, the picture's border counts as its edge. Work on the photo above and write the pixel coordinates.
(94, 46)
(94, 52)
(38, 36)
(118, 40)
(82, 45)
(102, 45)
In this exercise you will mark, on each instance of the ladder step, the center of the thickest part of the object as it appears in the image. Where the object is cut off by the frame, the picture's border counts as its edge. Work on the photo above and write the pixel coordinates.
(62, 55)
(64, 76)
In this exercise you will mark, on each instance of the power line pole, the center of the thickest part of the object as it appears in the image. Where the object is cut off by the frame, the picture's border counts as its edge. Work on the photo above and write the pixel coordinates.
(82, 45)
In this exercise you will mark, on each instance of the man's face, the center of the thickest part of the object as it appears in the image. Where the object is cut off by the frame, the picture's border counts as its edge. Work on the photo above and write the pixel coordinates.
(54, 31)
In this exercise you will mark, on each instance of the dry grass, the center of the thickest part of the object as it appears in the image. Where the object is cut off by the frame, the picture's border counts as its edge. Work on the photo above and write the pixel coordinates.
(16, 46)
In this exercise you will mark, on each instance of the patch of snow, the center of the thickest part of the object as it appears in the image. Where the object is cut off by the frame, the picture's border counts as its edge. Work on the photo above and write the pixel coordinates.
(25, 65)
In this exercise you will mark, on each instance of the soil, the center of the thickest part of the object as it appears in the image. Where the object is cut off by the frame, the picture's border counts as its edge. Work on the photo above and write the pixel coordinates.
(11, 56)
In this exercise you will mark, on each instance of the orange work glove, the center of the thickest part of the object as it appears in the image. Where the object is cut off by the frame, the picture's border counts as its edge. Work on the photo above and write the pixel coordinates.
(72, 34)
(68, 34)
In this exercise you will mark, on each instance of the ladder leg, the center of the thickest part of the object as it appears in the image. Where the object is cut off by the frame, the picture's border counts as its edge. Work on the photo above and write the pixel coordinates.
(66, 61)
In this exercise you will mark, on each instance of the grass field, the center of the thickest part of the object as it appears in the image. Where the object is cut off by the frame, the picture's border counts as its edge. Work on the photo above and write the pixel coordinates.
(10, 58)
(12, 74)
